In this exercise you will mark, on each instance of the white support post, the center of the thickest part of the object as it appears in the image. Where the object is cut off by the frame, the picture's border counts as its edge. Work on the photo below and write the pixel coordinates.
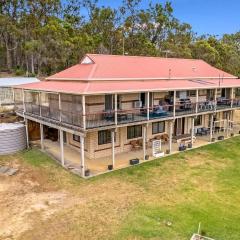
(27, 134)
(115, 109)
(60, 107)
(170, 135)
(192, 131)
(13, 98)
(84, 111)
(113, 147)
(62, 147)
(42, 136)
(24, 106)
(197, 100)
(144, 142)
(232, 89)
(82, 156)
(228, 115)
(211, 128)
(40, 103)
(215, 98)
(174, 104)
(148, 105)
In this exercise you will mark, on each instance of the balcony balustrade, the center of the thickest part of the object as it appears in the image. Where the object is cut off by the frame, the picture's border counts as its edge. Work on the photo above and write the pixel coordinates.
(206, 106)
(223, 103)
(100, 119)
(32, 108)
(52, 113)
(236, 103)
(131, 115)
(164, 111)
(107, 118)
(185, 108)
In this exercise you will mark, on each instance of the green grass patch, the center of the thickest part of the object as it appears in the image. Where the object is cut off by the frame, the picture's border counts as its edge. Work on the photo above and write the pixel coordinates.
(200, 185)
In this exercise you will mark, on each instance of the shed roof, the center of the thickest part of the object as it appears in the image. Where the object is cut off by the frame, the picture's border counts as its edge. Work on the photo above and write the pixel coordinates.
(12, 81)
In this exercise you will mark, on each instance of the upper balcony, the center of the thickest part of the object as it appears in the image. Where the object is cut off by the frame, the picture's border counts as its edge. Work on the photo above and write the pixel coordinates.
(90, 113)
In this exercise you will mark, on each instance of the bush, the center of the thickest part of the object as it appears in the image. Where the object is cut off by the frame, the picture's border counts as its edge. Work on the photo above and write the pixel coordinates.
(19, 72)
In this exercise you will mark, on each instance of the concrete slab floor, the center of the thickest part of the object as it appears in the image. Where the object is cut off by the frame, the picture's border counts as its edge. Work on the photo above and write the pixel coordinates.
(100, 165)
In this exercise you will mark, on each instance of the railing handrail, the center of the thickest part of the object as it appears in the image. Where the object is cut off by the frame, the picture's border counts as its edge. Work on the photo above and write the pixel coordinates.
(108, 117)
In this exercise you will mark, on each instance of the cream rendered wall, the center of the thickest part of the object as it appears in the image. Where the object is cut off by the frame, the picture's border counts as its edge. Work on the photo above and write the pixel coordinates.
(122, 144)
(76, 144)
(95, 104)
(126, 100)
(159, 96)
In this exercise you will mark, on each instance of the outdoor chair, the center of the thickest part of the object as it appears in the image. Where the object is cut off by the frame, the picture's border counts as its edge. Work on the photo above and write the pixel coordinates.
(206, 131)
(199, 132)
(135, 145)
(165, 138)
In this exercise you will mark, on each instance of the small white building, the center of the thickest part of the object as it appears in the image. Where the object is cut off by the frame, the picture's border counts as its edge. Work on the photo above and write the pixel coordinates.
(6, 92)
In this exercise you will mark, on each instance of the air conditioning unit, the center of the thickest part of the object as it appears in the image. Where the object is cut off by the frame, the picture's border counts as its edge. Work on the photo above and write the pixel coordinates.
(137, 104)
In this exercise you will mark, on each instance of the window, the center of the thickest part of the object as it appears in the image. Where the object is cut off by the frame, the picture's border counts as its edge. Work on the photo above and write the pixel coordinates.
(223, 92)
(191, 93)
(76, 138)
(198, 121)
(108, 102)
(104, 137)
(134, 131)
(158, 127)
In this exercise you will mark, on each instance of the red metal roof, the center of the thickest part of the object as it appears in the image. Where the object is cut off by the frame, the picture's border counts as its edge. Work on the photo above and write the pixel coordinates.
(97, 87)
(109, 73)
(116, 67)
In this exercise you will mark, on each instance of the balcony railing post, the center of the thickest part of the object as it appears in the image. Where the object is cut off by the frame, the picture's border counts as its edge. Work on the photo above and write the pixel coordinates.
(60, 107)
(174, 104)
(148, 105)
(24, 105)
(84, 111)
(115, 109)
(215, 99)
(40, 103)
(197, 99)
(232, 97)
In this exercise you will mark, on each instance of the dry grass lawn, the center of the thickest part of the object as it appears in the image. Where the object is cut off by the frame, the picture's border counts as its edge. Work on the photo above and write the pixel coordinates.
(44, 201)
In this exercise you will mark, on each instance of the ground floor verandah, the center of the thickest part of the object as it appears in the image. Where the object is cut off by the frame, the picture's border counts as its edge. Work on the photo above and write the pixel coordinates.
(99, 165)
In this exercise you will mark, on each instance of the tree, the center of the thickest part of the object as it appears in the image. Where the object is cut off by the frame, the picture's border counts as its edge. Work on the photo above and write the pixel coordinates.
(46, 36)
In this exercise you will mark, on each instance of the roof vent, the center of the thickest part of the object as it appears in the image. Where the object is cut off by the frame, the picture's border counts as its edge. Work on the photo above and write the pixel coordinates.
(87, 60)
(194, 69)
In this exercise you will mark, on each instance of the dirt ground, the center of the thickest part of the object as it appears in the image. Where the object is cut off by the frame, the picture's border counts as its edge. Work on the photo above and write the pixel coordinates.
(31, 203)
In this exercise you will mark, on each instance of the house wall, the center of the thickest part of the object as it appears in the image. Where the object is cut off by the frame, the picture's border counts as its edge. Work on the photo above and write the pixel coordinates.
(127, 100)
(157, 96)
(122, 144)
(96, 104)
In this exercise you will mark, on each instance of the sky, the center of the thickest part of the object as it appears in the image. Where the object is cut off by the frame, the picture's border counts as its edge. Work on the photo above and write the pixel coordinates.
(205, 16)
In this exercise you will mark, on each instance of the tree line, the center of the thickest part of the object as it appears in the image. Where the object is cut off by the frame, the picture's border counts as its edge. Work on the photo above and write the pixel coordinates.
(40, 37)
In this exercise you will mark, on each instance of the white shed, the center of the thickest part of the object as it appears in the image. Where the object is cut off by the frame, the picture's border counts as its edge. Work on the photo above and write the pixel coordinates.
(6, 92)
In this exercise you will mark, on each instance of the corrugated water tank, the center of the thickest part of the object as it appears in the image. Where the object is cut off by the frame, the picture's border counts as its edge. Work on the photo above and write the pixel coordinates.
(12, 138)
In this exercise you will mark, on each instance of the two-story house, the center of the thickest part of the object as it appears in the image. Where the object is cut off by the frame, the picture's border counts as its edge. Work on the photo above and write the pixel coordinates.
(110, 105)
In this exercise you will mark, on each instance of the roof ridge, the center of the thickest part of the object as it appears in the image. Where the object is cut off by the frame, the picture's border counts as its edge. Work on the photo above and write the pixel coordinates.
(139, 56)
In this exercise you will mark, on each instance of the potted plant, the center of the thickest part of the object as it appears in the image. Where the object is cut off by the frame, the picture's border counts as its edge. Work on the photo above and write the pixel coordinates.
(213, 139)
(168, 151)
(110, 167)
(146, 157)
(232, 134)
(189, 145)
(87, 172)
